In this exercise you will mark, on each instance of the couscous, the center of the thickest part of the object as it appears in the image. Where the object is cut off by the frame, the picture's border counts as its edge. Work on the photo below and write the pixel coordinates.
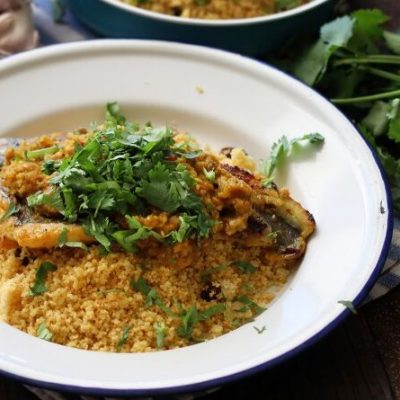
(216, 9)
(131, 238)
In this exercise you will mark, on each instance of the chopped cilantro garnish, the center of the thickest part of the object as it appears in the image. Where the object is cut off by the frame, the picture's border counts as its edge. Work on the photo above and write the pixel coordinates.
(282, 5)
(62, 241)
(249, 305)
(160, 331)
(39, 153)
(11, 209)
(44, 333)
(53, 200)
(272, 235)
(206, 273)
(151, 295)
(349, 305)
(123, 339)
(124, 170)
(192, 316)
(245, 266)
(260, 330)
(39, 286)
(210, 175)
(283, 148)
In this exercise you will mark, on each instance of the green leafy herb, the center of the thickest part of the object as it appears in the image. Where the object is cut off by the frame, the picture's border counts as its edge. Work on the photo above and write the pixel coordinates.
(44, 333)
(50, 166)
(123, 339)
(349, 305)
(210, 175)
(260, 330)
(40, 153)
(392, 41)
(281, 151)
(355, 63)
(273, 235)
(282, 5)
(62, 241)
(249, 305)
(125, 170)
(245, 266)
(53, 200)
(206, 273)
(193, 316)
(160, 331)
(312, 64)
(11, 209)
(39, 286)
(151, 295)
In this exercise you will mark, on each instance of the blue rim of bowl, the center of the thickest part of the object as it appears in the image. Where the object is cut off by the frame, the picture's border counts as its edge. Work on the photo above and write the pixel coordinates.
(312, 4)
(212, 383)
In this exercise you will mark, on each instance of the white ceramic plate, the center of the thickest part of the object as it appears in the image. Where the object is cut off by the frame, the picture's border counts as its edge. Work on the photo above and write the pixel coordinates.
(243, 102)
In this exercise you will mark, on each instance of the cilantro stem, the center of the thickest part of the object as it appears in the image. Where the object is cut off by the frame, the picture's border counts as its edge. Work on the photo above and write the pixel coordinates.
(369, 59)
(364, 99)
(32, 154)
(381, 73)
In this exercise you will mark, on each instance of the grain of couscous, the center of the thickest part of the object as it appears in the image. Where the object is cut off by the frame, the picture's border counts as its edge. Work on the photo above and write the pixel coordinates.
(133, 239)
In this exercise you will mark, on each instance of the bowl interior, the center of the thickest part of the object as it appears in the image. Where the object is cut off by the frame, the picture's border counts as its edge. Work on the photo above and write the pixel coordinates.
(221, 99)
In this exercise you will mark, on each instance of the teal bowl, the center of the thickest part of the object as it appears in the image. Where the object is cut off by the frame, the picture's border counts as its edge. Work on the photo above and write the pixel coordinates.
(249, 36)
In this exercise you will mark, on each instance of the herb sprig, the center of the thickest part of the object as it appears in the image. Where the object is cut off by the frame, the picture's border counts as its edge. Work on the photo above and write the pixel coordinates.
(126, 170)
(39, 286)
(356, 63)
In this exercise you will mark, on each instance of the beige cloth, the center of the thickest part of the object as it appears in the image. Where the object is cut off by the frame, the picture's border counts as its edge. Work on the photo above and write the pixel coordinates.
(17, 32)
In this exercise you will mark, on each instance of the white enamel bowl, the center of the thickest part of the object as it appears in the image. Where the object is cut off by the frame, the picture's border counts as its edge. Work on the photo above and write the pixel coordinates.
(222, 99)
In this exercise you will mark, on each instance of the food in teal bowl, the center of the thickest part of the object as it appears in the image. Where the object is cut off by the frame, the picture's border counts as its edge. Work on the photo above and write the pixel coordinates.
(230, 28)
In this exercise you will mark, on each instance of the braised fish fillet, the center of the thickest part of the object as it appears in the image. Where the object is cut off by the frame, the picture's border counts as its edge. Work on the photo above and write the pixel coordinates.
(245, 210)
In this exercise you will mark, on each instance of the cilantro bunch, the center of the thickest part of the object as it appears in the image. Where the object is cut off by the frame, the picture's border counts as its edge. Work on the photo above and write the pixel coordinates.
(122, 171)
(356, 63)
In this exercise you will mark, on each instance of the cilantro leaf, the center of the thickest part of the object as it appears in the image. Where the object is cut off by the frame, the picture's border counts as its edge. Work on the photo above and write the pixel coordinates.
(282, 149)
(11, 209)
(367, 30)
(260, 330)
(210, 175)
(40, 153)
(245, 266)
(311, 66)
(392, 41)
(249, 304)
(376, 121)
(123, 339)
(160, 330)
(52, 199)
(192, 316)
(161, 189)
(114, 115)
(43, 333)
(349, 305)
(282, 5)
(151, 295)
(50, 166)
(39, 286)
(63, 241)
(394, 120)
(279, 152)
